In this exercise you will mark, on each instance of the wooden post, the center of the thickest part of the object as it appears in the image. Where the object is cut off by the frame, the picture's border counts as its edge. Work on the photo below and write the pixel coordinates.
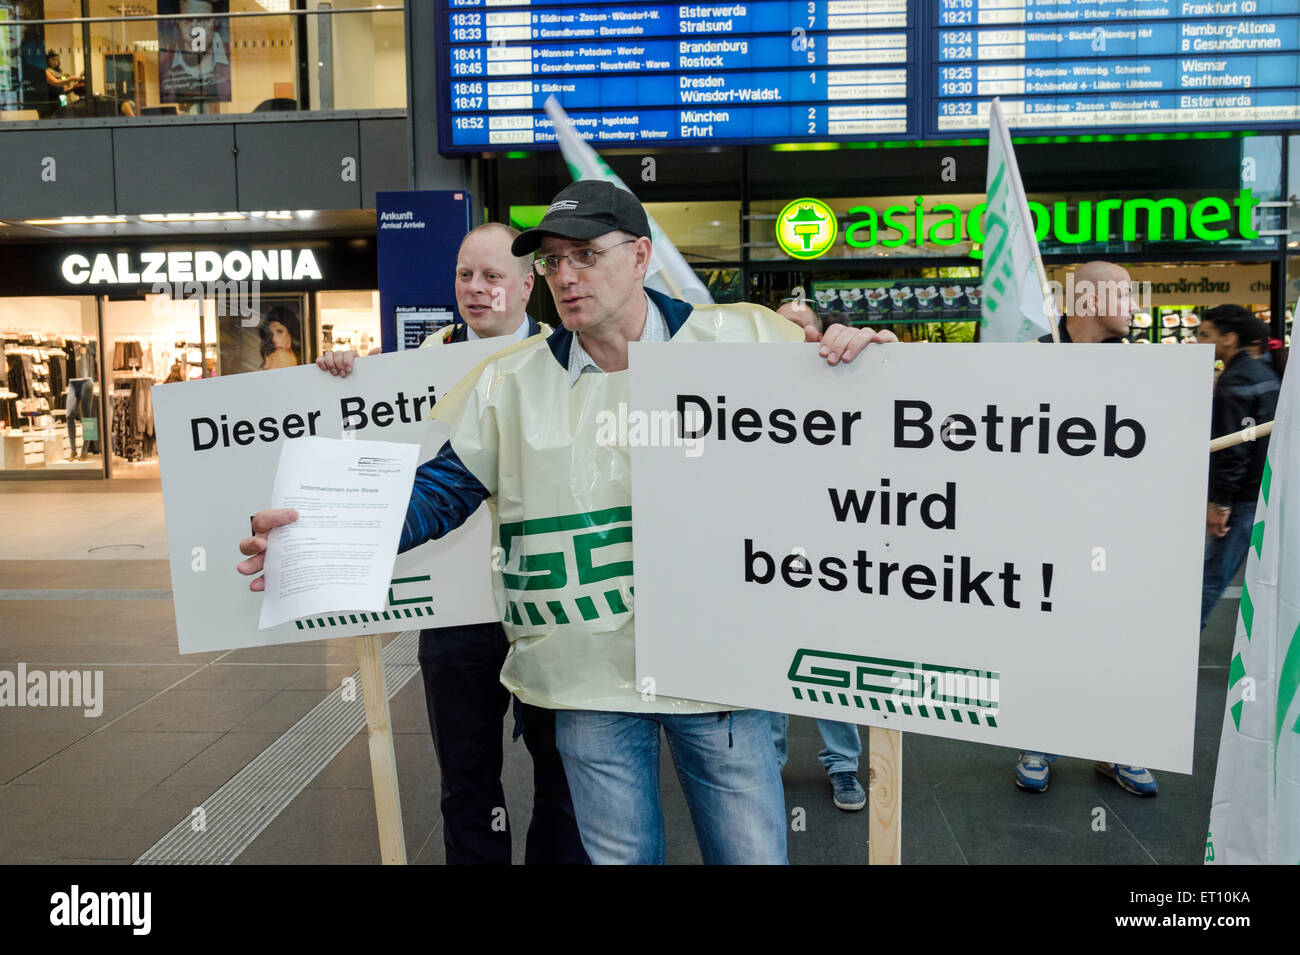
(885, 796)
(1242, 436)
(383, 758)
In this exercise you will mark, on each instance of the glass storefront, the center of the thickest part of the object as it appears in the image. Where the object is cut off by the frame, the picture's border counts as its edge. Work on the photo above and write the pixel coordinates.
(210, 56)
(51, 395)
(1197, 215)
(80, 370)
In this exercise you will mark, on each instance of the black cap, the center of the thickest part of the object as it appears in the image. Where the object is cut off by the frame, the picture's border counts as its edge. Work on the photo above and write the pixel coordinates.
(584, 210)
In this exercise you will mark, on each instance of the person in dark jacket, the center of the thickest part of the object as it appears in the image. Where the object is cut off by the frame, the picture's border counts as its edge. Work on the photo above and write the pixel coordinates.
(1245, 395)
(461, 666)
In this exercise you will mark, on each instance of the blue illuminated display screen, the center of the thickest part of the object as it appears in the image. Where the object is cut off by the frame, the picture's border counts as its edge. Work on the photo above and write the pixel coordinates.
(1107, 65)
(637, 73)
(680, 74)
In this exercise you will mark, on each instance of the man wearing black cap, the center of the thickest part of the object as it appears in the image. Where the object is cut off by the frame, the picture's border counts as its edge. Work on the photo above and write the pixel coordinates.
(524, 437)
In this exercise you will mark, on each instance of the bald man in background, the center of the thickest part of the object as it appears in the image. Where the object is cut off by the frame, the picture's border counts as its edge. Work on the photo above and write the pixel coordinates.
(1102, 311)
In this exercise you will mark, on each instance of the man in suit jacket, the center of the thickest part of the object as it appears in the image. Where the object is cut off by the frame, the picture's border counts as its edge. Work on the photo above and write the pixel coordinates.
(462, 665)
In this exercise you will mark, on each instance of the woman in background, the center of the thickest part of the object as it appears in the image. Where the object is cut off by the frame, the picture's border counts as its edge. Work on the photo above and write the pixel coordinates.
(281, 339)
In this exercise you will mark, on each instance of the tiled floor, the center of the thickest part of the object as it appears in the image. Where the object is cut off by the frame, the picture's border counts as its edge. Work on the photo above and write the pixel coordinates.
(175, 728)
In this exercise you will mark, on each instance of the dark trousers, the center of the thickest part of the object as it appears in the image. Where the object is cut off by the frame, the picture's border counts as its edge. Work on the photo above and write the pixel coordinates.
(462, 687)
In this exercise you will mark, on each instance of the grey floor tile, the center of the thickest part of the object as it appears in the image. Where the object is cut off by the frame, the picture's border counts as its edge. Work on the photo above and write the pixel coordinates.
(52, 821)
(1009, 826)
(137, 761)
(341, 652)
(117, 677)
(409, 713)
(948, 764)
(324, 678)
(216, 764)
(85, 623)
(342, 819)
(828, 836)
(37, 861)
(55, 719)
(279, 712)
(85, 574)
(927, 837)
(195, 711)
(22, 750)
(1171, 827)
(135, 828)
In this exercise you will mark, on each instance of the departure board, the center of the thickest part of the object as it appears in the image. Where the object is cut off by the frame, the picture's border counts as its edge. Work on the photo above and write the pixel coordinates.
(1096, 65)
(644, 73)
(680, 74)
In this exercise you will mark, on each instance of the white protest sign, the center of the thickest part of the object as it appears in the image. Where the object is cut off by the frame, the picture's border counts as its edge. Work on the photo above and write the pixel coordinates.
(218, 444)
(998, 543)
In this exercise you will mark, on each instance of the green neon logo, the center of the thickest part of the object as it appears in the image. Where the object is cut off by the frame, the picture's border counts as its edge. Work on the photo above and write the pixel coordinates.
(806, 228)
(1210, 219)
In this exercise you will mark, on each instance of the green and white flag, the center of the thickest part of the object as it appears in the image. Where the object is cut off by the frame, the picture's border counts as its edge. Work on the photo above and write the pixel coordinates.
(1255, 813)
(1015, 305)
(668, 271)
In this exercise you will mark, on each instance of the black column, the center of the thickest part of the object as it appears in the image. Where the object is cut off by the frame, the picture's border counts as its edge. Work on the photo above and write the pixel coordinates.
(428, 169)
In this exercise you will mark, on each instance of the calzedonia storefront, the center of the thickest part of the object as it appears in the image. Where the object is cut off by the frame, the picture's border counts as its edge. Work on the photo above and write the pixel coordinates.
(88, 328)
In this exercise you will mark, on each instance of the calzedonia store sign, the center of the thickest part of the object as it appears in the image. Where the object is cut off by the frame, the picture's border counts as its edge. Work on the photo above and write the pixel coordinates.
(807, 228)
(93, 268)
(185, 265)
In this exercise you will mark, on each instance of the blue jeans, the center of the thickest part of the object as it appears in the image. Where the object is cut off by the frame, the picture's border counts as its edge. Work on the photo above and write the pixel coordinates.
(842, 744)
(726, 766)
(1224, 556)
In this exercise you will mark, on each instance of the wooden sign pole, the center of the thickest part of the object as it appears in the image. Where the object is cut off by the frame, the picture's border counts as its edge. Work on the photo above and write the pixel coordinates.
(383, 758)
(884, 796)
(1242, 436)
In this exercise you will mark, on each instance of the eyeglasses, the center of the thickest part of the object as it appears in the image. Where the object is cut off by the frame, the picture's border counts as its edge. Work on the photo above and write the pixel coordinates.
(578, 258)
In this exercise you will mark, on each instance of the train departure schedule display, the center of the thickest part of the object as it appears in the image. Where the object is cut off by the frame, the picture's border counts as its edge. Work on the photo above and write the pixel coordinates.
(676, 74)
(644, 73)
(1113, 64)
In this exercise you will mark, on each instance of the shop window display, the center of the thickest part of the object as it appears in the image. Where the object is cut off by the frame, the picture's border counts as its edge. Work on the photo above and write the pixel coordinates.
(48, 400)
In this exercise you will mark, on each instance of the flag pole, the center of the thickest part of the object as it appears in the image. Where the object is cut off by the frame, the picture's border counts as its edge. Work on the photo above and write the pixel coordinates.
(1242, 436)
(998, 126)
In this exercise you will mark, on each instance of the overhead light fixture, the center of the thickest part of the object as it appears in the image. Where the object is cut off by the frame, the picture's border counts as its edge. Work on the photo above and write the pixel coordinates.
(191, 216)
(77, 220)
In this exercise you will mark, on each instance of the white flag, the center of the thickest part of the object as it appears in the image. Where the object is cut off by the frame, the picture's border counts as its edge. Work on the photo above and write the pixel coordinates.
(1016, 307)
(668, 272)
(1255, 813)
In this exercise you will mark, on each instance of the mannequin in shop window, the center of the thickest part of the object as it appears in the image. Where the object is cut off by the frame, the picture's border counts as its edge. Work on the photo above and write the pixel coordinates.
(281, 339)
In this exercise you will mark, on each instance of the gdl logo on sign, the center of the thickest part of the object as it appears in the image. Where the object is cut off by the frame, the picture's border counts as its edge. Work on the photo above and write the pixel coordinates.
(806, 228)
